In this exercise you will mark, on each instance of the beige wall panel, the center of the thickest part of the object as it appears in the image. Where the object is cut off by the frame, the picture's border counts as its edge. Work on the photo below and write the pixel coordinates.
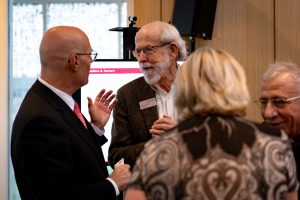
(287, 30)
(130, 7)
(145, 10)
(245, 28)
(167, 10)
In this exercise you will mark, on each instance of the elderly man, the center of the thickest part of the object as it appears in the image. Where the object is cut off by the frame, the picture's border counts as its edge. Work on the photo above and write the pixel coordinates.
(280, 102)
(56, 152)
(145, 106)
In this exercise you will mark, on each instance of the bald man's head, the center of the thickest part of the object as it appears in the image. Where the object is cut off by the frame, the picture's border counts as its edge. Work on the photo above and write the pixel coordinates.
(59, 43)
(61, 64)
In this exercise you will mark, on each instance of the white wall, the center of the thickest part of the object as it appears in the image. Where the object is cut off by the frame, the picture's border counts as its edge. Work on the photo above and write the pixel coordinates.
(3, 102)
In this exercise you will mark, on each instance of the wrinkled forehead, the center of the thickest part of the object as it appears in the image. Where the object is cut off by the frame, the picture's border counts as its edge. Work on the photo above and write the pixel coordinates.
(147, 37)
(281, 85)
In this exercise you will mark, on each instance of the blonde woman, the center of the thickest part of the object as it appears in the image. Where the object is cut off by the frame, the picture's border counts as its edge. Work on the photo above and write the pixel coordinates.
(213, 152)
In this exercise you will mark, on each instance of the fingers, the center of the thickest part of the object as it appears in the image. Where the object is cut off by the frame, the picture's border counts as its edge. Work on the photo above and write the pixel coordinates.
(100, 94)
(155, 132)
(90, 103)
(165, 121)
(113, 104)
(109, 99)
(121, 176)
(162, 125)
(158, 129)
(105, 97)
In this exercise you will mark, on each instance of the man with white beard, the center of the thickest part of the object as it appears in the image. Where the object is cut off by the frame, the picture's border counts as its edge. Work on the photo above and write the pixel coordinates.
(145, 106)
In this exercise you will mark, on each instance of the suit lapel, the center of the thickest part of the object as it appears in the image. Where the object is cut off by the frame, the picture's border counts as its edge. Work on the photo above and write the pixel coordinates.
(149, 114)
(72, 120)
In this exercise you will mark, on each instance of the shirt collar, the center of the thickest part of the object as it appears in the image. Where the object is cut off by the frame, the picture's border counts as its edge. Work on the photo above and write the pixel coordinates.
(68, 99)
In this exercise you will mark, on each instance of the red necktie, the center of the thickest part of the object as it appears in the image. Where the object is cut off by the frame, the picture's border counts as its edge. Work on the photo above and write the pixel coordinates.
(78, 113)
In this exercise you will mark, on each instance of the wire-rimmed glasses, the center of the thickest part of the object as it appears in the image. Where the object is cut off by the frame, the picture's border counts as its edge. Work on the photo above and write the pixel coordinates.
(148, 50)
(93, 55)
(278, 102)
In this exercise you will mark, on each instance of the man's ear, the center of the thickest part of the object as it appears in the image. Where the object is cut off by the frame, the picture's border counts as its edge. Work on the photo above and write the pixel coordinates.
(73, 61)
(174, 50)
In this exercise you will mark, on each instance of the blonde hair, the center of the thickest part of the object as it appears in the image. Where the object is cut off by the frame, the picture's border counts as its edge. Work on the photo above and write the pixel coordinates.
(211, 81)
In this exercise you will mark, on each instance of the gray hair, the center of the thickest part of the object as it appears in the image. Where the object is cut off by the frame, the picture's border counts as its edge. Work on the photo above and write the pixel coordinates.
(170, 34)
(282, 67)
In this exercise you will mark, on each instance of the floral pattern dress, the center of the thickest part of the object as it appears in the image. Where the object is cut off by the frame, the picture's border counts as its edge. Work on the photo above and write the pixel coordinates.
(217, 157)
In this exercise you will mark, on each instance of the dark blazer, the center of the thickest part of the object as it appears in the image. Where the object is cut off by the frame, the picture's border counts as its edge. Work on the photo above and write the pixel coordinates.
(296, 150)
(131, 124)
(53, 155)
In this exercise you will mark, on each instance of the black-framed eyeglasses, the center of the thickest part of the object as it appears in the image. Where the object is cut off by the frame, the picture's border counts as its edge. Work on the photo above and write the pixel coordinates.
(148, 50)
(278, 102)
(93, 55)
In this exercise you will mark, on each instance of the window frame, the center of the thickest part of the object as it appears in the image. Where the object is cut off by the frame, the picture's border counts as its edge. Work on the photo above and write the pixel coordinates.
(6, 172)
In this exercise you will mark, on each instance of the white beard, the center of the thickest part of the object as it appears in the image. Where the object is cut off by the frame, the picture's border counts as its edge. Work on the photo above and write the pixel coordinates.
(154, 75)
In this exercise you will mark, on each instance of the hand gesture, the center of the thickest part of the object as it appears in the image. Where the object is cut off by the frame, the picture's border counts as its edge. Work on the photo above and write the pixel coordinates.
(162, 125)
(121, 176)
(100, 110)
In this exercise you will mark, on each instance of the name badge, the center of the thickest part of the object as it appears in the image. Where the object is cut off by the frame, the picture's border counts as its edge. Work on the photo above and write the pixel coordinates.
(147, 103)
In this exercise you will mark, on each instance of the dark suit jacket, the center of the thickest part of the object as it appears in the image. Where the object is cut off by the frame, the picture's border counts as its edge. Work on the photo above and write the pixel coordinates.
(131, 124)
(296, 150)
(53, 155)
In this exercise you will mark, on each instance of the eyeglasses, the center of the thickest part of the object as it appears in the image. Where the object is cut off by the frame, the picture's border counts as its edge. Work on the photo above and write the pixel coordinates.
(93, 55)
(148, 50)
(278, 102)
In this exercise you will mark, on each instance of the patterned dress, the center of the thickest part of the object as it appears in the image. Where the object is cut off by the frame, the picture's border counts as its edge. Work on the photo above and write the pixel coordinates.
(217, 157)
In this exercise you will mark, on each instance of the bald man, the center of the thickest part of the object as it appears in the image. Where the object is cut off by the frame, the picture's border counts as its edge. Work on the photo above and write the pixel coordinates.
(56, 153)
(145, 106)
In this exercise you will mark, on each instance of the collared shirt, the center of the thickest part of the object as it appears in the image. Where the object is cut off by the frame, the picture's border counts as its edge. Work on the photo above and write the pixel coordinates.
(68, 99)
(165, 102)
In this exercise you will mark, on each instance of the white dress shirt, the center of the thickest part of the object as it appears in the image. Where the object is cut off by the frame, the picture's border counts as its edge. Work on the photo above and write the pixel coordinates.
(165, 102)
